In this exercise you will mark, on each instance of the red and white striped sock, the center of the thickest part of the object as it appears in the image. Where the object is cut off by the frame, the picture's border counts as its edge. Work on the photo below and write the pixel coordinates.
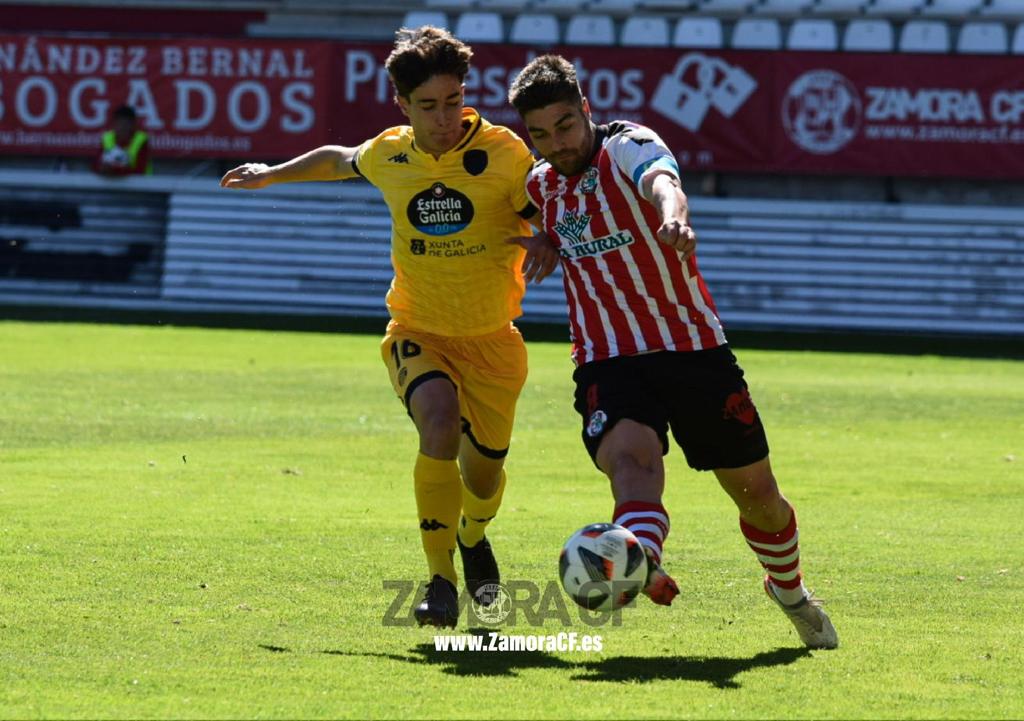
(647, 521)
(779, 554)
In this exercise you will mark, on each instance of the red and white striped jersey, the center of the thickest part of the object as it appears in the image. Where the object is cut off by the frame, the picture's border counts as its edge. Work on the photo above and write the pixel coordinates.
(627, 292)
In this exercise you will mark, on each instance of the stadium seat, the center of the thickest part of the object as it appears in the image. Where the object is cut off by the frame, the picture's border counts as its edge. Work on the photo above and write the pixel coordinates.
(701, 32)
(590, 30)
(781, 8)
(924, 36)
(534, 29)
(449, 4)
(894, 7)
(983, 38)
(506, 6)
(807, 34)
(615, 7)
(955, 9)
(418, 18)
(557, 5)
(839, 7)
(725, 7)
(1017, 46)
(1009, 9)
(757, 34)
(871, 36)
(645, 31)
(480, 27)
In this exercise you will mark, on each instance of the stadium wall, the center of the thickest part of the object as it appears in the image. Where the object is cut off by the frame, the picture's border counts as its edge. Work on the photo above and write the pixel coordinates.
(322, 250)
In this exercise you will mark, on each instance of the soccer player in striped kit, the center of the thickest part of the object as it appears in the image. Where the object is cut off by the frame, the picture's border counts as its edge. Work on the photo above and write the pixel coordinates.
(650, 352)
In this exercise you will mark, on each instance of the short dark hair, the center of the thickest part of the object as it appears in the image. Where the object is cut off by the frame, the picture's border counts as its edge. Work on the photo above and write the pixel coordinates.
(421, 53)
(546, 80)
(125, 111)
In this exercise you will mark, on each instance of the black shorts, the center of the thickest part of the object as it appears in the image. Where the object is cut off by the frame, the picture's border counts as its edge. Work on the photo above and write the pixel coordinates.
(700, 395)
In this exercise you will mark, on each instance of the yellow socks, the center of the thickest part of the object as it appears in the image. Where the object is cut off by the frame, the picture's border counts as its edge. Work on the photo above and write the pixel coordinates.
(478, 512)
(438, 487)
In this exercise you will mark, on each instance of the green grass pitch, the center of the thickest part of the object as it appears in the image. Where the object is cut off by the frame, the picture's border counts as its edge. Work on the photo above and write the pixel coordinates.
(198, 523)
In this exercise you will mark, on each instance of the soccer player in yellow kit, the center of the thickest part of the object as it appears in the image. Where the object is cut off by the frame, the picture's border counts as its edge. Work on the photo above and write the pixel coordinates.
(454, 184)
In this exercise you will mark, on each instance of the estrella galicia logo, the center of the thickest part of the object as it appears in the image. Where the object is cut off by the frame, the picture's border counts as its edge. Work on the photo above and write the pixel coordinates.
(418, 246)
(440, 210)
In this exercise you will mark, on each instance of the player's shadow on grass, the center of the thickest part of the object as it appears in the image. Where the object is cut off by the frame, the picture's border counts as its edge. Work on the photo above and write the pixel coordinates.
(718, 671)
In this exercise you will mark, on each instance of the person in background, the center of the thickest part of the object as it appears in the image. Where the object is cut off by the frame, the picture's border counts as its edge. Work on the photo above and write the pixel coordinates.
(125, 148)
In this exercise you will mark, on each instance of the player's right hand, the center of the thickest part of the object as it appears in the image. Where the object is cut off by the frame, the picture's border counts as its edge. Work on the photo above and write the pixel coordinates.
(250, 176)
(541, 256)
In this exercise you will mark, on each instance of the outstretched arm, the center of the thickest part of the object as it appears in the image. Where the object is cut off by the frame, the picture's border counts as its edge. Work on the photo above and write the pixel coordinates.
(663, 190)
(328, 162)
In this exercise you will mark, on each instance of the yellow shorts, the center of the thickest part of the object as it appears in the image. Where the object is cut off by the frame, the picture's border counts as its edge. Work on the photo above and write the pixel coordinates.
(488, 372)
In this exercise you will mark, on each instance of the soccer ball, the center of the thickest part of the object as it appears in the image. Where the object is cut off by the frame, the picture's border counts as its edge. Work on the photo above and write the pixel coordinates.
(602, 567)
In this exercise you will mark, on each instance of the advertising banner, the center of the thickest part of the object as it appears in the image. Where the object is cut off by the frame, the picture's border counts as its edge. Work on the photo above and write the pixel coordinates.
(768, 112)
(203, 98)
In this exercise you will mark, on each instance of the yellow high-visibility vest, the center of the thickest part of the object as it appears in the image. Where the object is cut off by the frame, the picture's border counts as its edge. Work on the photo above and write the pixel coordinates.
(138, 139)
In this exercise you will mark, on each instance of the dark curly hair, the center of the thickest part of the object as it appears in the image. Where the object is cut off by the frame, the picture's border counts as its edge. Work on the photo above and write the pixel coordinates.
(547, 79)
(421, 53)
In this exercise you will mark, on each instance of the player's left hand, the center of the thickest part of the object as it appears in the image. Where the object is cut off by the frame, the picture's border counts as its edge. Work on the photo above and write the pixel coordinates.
(541, 257)
(679, 235)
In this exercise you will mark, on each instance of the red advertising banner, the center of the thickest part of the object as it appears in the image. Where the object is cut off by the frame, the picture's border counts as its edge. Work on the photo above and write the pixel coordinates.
(204, 98)
(940, 115)
(690, 98)
(844, 113)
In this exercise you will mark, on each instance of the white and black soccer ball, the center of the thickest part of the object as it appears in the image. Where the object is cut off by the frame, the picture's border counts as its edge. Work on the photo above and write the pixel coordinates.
(602, 567)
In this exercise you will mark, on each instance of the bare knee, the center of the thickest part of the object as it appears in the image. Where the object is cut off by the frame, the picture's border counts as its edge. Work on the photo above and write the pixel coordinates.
(630, 455)
(435, 411)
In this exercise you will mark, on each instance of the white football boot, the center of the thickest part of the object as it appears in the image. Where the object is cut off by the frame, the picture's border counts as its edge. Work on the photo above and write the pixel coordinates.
(809, 619)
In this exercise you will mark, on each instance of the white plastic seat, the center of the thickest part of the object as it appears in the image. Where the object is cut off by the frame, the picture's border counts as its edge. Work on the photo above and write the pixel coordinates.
(534, 29)
(699, 32)
(839, 7)
(590, 30)
(419, 18)
(645, 32)
(507, 6)
(726, 6)
(757, 34)
(1009, 9)
(983, 38)
(480, 27)
(782, 7)
(1017, 46)
(613, 6)
(817, 34)
(894, 7)
(924, 36)
(557, 5)
(955, 9)
(869, 36)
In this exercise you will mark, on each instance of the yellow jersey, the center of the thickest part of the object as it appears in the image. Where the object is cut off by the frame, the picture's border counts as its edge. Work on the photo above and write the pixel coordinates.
(454, 273)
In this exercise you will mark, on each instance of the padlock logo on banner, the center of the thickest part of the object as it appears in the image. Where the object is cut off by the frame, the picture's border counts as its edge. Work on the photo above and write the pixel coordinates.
(699, 83)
